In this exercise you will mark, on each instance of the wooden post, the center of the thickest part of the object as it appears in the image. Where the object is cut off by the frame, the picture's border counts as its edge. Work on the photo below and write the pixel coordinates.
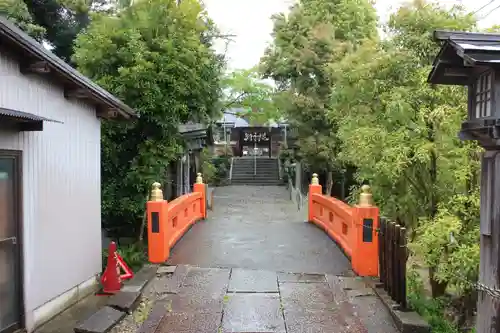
(201, 188)
(158, 250)
(403, 255)
(381, 251)
(365, 216)
(386, 254)
(390, 268)
(397, 264)
(314, 188)
(488, 308)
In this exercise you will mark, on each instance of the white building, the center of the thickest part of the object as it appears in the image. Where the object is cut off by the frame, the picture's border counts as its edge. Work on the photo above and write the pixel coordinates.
(50, 198)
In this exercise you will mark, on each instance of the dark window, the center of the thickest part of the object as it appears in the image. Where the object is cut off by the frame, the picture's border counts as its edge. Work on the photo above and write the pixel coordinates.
(482, 96)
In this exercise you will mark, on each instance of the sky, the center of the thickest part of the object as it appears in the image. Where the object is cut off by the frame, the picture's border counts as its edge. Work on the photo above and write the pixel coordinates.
(249, 21)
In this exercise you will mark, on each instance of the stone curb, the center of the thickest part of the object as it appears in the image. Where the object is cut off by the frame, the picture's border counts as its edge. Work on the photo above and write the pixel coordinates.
(406, 321)
(119, 305)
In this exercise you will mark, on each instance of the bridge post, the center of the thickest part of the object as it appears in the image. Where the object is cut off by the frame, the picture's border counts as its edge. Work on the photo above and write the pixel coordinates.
(157, 210)
(314, 188)
(201, 188)
(365, 258)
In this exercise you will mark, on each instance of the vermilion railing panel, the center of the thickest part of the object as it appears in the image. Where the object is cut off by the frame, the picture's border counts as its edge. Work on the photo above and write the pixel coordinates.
(335, 217)
(182, 213)
(169, 221)
(353, 228)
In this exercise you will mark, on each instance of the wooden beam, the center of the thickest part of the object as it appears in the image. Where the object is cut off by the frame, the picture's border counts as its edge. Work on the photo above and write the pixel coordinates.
(35, 67)
(107, 113)
(77, 93)
(458, 72)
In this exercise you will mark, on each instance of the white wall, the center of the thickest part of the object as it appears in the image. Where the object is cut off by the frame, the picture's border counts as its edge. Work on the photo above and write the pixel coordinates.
(61, 186)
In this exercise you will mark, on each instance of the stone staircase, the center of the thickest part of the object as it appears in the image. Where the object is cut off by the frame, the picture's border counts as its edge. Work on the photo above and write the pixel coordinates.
(261, 171)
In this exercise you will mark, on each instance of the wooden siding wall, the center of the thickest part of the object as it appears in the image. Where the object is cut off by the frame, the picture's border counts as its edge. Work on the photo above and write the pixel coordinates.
(61, 186)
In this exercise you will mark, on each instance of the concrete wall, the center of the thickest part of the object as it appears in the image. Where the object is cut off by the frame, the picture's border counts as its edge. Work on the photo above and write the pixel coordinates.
(61, 191)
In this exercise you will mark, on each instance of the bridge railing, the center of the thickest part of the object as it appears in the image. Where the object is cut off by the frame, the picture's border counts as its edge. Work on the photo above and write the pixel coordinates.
(354, 228)
(169, 221)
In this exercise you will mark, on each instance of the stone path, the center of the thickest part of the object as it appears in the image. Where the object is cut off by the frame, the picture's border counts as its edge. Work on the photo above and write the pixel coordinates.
(255, 265)
(215, 300)
(258, 227)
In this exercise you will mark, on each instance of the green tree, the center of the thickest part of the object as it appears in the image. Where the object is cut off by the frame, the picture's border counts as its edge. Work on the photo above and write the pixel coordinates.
(17, 11)
(156, 57)
(61, 20)
(245, 89)
(401, 134)
(305, 42)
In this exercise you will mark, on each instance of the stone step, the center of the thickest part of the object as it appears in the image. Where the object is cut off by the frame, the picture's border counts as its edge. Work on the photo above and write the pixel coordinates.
(246, 167)
(244, 179)
(257, 183)
(248, 179)
(252, 170)
(252, 165)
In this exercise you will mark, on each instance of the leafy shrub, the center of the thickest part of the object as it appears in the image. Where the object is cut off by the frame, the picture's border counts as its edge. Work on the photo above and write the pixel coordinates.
(222, 166)
(134, 256)
(431, 309)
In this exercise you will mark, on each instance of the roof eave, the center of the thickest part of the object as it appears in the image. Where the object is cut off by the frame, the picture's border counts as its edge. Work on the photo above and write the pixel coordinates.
(443, 35)
(21, 39)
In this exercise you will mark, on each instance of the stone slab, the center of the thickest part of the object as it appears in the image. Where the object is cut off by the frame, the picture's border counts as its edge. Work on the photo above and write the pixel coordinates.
(308, 296)
(360, 292)
(373, 314)
(150, 325)
(190, 322)
(140, 279)
(101, 321)
(206, 278)
(165, 284)
(301, 277)
(253, 313)
(169, 283)
(166, 270)
(191, 300)
(351, 283)
(253, 281)
(126, 301)
(320, 322)
(406, 321)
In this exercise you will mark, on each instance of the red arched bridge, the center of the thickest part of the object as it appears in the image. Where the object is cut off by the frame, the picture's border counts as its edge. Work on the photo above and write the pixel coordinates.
(255, 263)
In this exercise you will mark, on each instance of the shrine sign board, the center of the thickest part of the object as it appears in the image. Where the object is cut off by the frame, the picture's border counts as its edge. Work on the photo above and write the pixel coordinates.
(255, 137)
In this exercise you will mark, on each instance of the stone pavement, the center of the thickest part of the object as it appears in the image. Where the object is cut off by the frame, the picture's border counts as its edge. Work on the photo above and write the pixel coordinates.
(255, 265)
(220, 300)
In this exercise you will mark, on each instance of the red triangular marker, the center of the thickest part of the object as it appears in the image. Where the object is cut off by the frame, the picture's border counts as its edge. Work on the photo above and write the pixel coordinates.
(123, 265)
(110, 278)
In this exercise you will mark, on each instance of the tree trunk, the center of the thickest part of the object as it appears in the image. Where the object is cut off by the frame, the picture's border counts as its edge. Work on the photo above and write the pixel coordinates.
(329, 183)
(143, 224)
(437, 288)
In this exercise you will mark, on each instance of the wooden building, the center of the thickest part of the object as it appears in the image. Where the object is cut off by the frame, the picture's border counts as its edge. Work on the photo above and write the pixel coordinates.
(473, 60)
(182, 173)
(234, 134)
(50, 184)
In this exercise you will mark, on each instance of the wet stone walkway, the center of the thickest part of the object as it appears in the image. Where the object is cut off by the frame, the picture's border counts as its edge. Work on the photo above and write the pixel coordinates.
(198, 300)
(258, 227)
(253, 266)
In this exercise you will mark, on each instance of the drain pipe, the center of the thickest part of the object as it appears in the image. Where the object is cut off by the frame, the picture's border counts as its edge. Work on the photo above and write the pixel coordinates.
(231, 169)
